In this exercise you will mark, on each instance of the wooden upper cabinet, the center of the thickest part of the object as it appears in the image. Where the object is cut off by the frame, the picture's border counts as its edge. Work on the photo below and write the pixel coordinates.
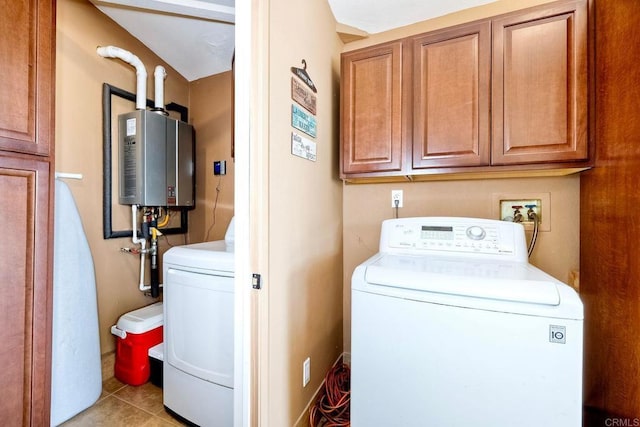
(371, 109)
(26, 84)
(539, 77)
(451, 96)
(507, 93)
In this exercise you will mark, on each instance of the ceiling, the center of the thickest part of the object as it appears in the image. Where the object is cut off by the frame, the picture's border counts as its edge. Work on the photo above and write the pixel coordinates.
(382, 15)
(196, 37)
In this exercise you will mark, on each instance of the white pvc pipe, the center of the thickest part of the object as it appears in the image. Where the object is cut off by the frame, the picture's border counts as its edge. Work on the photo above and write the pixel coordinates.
(134, 225)
(143, 243)
(141, 72)
(159, 75)
(143, 257)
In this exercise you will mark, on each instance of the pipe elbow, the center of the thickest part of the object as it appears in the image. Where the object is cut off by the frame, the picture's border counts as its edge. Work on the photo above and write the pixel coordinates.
(114, 52)
(141, 71)
(104, 51)
(129, 58)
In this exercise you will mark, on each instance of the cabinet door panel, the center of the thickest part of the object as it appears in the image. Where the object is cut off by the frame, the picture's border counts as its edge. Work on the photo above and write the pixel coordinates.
(24, 291)
(26, 86)
(540, 86)
(451, 97)
(371, 109)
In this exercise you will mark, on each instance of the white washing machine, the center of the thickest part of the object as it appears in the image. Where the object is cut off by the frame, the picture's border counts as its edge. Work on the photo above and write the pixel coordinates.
(198, 331)
(451, 326)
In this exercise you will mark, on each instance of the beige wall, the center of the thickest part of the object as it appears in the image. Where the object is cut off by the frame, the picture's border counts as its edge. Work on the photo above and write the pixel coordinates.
(210, 110)
(366, 205)
(80, 73)
(305, 213)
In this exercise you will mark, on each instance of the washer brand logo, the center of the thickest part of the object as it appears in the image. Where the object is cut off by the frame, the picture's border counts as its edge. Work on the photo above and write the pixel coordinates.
(557, 334)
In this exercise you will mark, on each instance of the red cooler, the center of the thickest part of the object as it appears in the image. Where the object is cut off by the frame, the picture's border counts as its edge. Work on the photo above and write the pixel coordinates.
(137, 332)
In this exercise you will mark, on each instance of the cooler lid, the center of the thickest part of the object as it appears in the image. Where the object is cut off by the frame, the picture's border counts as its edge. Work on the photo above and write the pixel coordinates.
(507, 281)
(142, 320)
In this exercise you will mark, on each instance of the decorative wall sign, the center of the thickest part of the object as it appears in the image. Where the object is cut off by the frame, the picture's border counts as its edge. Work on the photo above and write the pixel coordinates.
(303, 121)
(303, 147)
(303, 96)
(302, 75)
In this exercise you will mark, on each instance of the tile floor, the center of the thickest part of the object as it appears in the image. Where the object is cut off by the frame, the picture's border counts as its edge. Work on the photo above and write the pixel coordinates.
(127, 406)
(122, 405)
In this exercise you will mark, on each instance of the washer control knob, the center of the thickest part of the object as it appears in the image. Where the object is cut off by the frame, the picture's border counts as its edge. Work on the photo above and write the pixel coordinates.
(476, 233)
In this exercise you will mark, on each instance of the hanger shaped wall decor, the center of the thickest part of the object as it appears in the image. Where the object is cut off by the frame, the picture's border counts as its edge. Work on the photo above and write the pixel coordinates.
(302, 74)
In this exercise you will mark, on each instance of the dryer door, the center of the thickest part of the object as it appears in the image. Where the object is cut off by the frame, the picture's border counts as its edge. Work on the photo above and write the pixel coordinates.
(198, 324)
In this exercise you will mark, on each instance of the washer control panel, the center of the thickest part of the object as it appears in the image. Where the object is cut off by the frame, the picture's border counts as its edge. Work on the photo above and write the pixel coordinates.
(458, 235)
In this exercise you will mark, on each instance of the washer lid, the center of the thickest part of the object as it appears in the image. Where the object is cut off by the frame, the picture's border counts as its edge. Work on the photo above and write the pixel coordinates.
(217, 255)
(507, 281)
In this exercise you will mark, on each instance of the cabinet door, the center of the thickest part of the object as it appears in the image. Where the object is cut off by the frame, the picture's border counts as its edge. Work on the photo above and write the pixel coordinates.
(24, 292)
(539, 77)
(26, 84)
(451, 83)
(371, 109)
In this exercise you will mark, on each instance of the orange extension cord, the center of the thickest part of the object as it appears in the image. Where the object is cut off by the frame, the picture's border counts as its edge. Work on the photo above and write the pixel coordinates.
(332, 408)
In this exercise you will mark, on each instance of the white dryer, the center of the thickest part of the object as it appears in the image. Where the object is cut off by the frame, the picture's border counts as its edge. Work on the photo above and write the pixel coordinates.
(198, 331)
(451, 326)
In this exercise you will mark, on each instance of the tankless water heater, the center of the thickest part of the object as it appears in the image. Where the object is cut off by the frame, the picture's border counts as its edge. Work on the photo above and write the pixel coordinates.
(156, 158)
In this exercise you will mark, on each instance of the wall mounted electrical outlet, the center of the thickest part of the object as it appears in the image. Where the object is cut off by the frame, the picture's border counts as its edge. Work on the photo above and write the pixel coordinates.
(396, 197)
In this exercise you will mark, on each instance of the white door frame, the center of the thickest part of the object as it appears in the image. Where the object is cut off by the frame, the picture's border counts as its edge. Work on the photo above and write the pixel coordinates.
(251, 132)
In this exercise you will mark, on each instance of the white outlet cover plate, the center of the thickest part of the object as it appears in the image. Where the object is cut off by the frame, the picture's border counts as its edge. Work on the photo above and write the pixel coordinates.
(399, 194)
(306, 372)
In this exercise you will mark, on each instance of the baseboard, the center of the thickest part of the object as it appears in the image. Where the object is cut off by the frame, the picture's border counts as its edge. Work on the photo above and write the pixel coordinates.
(303, 419)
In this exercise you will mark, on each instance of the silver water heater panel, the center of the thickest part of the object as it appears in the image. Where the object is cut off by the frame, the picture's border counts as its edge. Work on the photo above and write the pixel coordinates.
(180, 164)
(156, 160)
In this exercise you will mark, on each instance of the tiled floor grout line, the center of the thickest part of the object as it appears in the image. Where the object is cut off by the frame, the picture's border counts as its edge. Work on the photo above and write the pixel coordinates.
(132, 404)
(128, 402)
